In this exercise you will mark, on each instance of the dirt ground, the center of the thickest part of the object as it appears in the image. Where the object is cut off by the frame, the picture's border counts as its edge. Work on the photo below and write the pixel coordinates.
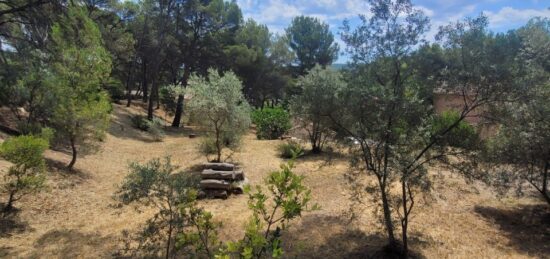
(76, 217)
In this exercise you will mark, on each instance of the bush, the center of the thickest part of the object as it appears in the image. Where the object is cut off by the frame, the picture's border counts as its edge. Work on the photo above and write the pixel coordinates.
(290, 149)
(115, 89)
(271, 123)
(463, 136)
(140, 122)
(26, 174)
(153, 127)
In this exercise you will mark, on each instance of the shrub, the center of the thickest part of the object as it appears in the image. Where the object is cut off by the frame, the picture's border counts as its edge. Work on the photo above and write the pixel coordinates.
(159, 184)
(271, 123)
(154, 128)
(462, 136)
(25, 176)
(115, 89)
(140, 122)
(273, 210)
(290, 149)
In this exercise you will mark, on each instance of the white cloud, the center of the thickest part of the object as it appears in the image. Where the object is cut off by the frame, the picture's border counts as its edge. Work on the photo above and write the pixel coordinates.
(508, 16)
(274, 11)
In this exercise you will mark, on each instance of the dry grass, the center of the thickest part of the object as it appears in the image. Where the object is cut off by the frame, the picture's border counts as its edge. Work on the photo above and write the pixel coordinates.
(75, 218)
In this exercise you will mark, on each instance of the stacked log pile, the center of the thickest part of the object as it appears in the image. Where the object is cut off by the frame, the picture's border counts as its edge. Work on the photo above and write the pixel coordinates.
(219, 180)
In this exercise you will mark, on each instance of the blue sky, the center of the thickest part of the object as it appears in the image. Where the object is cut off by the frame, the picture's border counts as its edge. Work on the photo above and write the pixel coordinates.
(503, 14)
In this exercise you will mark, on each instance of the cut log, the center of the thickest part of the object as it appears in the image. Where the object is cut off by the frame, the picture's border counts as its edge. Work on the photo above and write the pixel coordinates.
(220, 166)
(216, 194)
(238, 187)
(215, 184)
(222, 175)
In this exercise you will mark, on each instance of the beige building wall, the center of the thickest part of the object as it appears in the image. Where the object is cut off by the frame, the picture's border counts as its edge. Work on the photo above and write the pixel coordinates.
(451, 101)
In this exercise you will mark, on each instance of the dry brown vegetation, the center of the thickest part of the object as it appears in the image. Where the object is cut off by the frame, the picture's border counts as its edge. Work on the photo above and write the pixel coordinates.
(77, 217)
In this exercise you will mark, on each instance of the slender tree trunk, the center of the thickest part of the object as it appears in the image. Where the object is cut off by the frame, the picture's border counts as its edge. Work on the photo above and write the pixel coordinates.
(169, 242)
(144, 80)
(218, 144)
(73, 160)
(179, 112)
(387, 216)
(129, 83)
(545, 183)
(179, 105)
(405, 220)
(157, 99)
(152, 98)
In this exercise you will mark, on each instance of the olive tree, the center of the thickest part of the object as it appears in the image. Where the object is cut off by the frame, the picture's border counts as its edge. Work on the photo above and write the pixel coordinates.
(384, 111)
(520, 152)
(178, 225)
(316, 100)
(219, 106)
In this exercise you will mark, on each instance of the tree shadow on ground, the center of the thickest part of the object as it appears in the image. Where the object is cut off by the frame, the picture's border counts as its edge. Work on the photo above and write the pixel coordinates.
(121, 126)
(7, 252)
(334, 237)
(326, 157)
(11, 223)
(527, 226)
(62, 170)
(67, 243)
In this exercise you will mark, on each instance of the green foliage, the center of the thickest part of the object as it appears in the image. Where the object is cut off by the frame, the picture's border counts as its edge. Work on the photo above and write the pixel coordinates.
(288, 198)
(139, 122)
(312, 42)
(115, 89)
(219, 103)
(153, 127)
(25, 176)
(271, 123)
(462, 135)
(290, 149)
(201, 235)
(168, 97)
(157, 184)
(81, 64)
(520, 152)
(315, 102)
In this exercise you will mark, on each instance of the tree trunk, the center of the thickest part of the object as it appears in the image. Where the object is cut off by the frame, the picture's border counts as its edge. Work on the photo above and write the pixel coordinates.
(218, 146)
(152, 98)
(179, 105)
(387, 214)
(144, 80)
(545, 183)
(129, 85)
(169, 241)
(405, 220)
(73, 160)
(179, 112)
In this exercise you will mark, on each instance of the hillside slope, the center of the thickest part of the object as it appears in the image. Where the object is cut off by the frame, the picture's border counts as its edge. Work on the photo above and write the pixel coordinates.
(76, 216)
